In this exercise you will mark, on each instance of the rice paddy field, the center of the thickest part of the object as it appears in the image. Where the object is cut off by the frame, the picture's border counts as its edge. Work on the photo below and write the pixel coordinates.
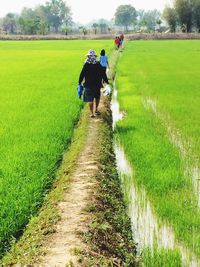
(38, 112)
(158, 84)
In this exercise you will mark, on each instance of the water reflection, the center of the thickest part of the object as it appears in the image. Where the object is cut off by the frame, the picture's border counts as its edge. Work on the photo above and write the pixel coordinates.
(116, 114)
(190, 163)
(148, 230)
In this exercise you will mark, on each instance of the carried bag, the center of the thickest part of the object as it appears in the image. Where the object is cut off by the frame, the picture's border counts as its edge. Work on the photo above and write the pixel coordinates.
(107, 90)
(80, 90)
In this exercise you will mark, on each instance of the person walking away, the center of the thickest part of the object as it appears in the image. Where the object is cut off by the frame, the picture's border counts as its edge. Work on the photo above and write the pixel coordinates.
(120, 42)
(103, 60)
(92, 74)
(122, 37)
(116, 40)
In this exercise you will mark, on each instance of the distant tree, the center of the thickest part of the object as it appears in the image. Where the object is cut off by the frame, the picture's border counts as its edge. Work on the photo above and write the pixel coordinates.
(125, 15)
(184, 11)
(66, 30)
(95, 27)
(109, 29)
(1, 25)
(196, 13)
(159, 22)
(58, 13)
(169, 14)
(83, 30)
(29, 21)
(140, 18)
(140, 15)
(150, 18)
(9, 23)
(103, 26)
(42, 15)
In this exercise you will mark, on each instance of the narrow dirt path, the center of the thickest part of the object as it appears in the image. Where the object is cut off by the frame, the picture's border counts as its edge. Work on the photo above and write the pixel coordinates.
(61, 245)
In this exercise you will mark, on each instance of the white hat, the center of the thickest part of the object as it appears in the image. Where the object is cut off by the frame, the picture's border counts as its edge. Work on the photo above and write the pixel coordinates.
(91, 53)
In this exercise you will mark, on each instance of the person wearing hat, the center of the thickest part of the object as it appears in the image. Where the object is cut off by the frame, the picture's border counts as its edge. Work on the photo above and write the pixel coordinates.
(93, 75)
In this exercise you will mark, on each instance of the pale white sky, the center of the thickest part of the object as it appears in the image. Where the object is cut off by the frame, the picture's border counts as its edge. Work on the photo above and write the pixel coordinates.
(84, 10)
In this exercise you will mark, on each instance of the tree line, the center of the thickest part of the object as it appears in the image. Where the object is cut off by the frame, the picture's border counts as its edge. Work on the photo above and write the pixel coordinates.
(43, 19)
(141, 20)
(55, 16)
(184, 14)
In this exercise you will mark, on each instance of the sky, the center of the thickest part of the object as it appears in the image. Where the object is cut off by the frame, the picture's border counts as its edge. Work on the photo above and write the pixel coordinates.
(84, 11)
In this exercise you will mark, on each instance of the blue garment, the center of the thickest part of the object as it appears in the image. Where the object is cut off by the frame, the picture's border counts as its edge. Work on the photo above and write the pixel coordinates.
(104, 61)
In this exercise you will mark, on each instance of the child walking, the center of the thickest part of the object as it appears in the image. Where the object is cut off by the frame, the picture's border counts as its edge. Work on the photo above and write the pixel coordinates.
(103, 60)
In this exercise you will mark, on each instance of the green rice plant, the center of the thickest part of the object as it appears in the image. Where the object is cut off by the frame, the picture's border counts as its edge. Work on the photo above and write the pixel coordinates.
(161, 257)
(168, 71)
(39, 110)
(158, 70)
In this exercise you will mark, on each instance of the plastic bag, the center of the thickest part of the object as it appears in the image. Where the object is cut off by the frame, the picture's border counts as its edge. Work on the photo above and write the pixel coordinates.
(107, 90)
(80, 90)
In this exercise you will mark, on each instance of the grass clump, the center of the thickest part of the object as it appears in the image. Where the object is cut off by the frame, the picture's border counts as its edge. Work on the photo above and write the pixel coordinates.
(161, 257)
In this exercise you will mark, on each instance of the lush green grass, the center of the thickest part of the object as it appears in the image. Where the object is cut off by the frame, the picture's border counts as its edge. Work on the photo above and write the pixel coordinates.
(30, 247)
(166, 71)
(164, 258)
(39, 109)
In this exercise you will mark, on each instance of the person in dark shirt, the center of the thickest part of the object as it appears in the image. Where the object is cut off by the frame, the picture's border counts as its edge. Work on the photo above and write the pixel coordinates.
(92, 75)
